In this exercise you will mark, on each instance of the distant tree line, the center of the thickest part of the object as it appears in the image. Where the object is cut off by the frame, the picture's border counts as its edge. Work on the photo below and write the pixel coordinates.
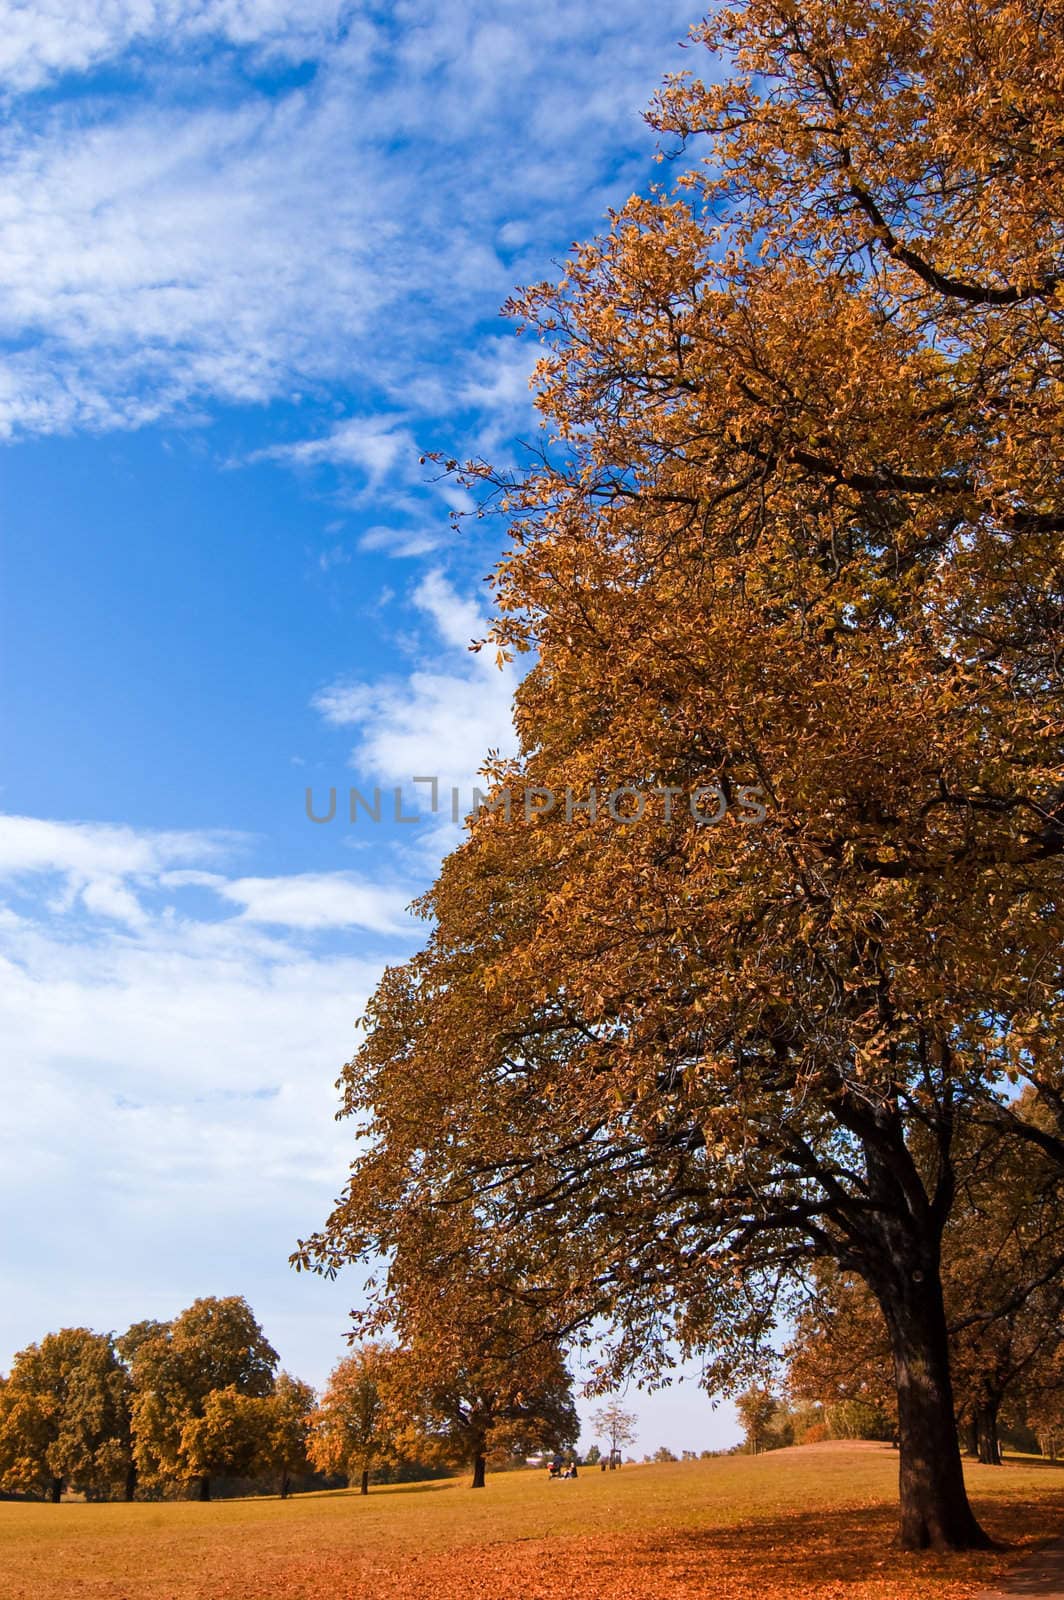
(774, 1422)
(196, 1405)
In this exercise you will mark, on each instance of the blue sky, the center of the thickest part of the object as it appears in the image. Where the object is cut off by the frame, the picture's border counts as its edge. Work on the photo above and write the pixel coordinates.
(252, 255)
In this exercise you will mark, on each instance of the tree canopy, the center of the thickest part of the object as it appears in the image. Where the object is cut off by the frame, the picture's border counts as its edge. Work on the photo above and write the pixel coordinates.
(352, 1431)
(215, 1346)
(476, 1372)
(65, 1417)
(796, 528)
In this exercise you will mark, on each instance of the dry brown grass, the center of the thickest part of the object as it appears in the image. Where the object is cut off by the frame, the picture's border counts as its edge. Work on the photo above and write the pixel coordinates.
(813, 1524)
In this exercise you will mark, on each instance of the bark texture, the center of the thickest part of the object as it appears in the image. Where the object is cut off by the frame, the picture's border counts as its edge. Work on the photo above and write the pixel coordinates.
(935, 1514)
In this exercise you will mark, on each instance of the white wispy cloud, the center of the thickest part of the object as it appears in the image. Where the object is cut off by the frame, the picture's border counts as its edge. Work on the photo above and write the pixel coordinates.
(417, 540)
(380, 447)
(97, 865)
(131, 876)
(458, 620)
(92, 849)
(45, 39)
(442, 717)
(162, 252)
(163, 257)
(496, 386)
(321, 900)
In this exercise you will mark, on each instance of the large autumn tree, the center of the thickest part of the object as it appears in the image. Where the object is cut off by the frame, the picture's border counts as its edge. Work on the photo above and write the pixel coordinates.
(797, 526)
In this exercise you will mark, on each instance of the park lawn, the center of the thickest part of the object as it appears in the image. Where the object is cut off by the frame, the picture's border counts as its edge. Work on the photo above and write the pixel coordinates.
(811, 1524)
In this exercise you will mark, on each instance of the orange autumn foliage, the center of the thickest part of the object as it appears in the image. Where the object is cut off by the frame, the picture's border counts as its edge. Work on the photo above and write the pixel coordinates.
(798, 527)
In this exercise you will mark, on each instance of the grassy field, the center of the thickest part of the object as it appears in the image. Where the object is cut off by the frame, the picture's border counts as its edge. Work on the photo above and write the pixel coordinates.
(807, 1523)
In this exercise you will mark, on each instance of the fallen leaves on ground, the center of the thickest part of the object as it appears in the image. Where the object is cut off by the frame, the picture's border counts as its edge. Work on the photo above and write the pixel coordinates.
(803, 1525)
(846, 1555)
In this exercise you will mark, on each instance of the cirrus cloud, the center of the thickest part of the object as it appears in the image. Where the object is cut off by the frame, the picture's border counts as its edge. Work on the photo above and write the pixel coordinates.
(245, 243)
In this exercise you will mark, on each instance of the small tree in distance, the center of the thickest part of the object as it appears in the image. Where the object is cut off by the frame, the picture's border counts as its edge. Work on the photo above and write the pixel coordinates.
(618, 1427)
(287, 1432)
(756, 1407)
(351, 1430)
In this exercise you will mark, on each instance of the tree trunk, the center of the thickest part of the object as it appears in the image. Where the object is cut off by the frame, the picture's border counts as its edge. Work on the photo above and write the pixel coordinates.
(55, 1494)
(131, 1481)
(286, 1483)
(479, 1467)
(972, 1430)
(935, 1513)
(364, 1484)
(986, 1423)
(204, 1487)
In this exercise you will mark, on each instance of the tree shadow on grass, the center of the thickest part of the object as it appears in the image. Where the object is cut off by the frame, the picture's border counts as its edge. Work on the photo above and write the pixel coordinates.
(844, 1554)
(808, 1552)
(1048, 1584)
(376, 1490)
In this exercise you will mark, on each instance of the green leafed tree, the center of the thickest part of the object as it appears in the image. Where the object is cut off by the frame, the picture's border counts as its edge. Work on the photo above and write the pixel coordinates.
(230, 1436)
(618, 1428)
(216, 1344)
(289, 1411)
(65, 1418)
